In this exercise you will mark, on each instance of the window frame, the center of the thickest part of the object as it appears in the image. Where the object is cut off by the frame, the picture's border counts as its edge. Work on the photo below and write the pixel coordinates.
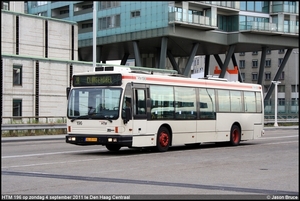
(17, 112)
(17, 76)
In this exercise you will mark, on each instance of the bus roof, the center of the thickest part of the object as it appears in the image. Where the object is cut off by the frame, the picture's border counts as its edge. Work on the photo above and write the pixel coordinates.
(170, 77)
(121, 69)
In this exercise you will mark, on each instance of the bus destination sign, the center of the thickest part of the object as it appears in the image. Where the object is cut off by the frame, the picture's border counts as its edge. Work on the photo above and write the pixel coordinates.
(97, 80)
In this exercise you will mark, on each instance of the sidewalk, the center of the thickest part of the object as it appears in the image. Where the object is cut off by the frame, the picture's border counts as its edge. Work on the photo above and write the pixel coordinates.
(62, 136)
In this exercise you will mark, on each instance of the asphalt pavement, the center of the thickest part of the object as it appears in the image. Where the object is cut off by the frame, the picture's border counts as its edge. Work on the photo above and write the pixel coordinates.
(62, 136)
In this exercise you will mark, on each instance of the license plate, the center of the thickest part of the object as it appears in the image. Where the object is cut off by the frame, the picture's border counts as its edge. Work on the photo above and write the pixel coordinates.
(91, 139)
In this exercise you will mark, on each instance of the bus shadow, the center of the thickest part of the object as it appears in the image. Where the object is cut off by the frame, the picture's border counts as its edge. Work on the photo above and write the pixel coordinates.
(151, 150)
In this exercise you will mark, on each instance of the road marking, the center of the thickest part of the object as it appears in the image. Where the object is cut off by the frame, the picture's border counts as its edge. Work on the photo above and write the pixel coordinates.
(43, 154)
(266, 138)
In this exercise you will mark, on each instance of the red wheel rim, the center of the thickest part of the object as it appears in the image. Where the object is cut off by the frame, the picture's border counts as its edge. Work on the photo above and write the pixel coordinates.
(164, 139)
(235, 136)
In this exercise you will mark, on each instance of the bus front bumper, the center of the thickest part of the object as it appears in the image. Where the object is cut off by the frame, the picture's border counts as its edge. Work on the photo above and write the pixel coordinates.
(79, 139)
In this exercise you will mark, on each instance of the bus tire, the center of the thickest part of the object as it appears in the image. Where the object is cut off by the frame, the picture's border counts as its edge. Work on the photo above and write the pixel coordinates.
(113, 147)
(163, 139)
(235, 135)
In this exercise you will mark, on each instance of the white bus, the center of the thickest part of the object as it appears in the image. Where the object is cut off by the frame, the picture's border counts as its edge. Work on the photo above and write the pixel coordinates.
(166, 109)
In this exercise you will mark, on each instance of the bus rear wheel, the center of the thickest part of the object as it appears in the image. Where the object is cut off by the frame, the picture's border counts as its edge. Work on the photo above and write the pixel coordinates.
(163, 139)
(235, 135)
(113, 147)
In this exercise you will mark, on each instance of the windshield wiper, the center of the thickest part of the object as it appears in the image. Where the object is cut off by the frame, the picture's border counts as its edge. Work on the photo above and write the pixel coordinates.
(107, 117)
(90, 112)
(79, 117)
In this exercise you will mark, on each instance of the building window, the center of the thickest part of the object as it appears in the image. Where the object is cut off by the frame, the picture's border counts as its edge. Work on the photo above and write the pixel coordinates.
(254, 63)
(268, 63)
(258, 6)
(38, 3)
(268, 76)
(268, 51)
(242, 54)
(254, 76)
(281, 88)
(87, 6)
(294, 89)
(42, 14)
(63, 12)
(281, 101)
(280, 61)
(242, 63)
(41, 3)
(108, 4)
(109, 22)
(5, 5)
(255, 53)
(17, 107)
(281, 51)
(86, 25)
(135, 13)
(281, 76)
(17, 75)
(294, 101)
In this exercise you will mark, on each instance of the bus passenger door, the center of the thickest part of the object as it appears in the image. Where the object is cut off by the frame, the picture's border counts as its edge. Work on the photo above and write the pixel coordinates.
(139, 110)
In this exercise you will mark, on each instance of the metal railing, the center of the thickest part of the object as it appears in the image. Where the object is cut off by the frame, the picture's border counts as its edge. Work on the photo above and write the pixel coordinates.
(18, 123)
(33, 119)
(54, 122)
(12, 127)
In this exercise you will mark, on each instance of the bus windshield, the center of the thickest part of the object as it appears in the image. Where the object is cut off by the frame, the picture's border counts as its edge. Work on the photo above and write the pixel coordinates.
(94, 103)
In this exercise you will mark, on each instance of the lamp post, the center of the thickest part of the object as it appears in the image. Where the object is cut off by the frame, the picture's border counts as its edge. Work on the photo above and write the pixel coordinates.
(276, 83)
(296, 81)
(94, 34)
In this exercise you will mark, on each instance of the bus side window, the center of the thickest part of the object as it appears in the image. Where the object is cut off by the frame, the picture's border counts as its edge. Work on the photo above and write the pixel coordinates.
(141, 101)
(207, 103)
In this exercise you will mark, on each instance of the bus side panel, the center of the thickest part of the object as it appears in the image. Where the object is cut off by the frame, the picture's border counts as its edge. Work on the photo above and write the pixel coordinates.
(258, 131)
(184, 132)
(143, 141)
(142, 137)
(206, 131)
(247, 122)
(251, 125)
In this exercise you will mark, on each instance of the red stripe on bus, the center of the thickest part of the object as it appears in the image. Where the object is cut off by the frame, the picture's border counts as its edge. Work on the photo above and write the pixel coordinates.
(217, 83)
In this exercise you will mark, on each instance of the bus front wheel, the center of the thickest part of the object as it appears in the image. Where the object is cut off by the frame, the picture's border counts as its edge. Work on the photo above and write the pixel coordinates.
(163, 139)
(235, 135)
(113, 147)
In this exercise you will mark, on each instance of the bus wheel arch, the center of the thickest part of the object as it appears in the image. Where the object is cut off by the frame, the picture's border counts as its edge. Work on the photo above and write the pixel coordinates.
(113, 147)
(235, 134)
(164, 138)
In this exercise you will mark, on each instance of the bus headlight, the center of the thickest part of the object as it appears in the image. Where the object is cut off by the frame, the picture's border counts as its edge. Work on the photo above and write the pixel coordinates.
(72, 139)
(112, 139)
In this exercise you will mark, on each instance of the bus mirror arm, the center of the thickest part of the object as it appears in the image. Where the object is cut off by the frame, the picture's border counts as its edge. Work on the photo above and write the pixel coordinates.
(68, 92)
(127, 115)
